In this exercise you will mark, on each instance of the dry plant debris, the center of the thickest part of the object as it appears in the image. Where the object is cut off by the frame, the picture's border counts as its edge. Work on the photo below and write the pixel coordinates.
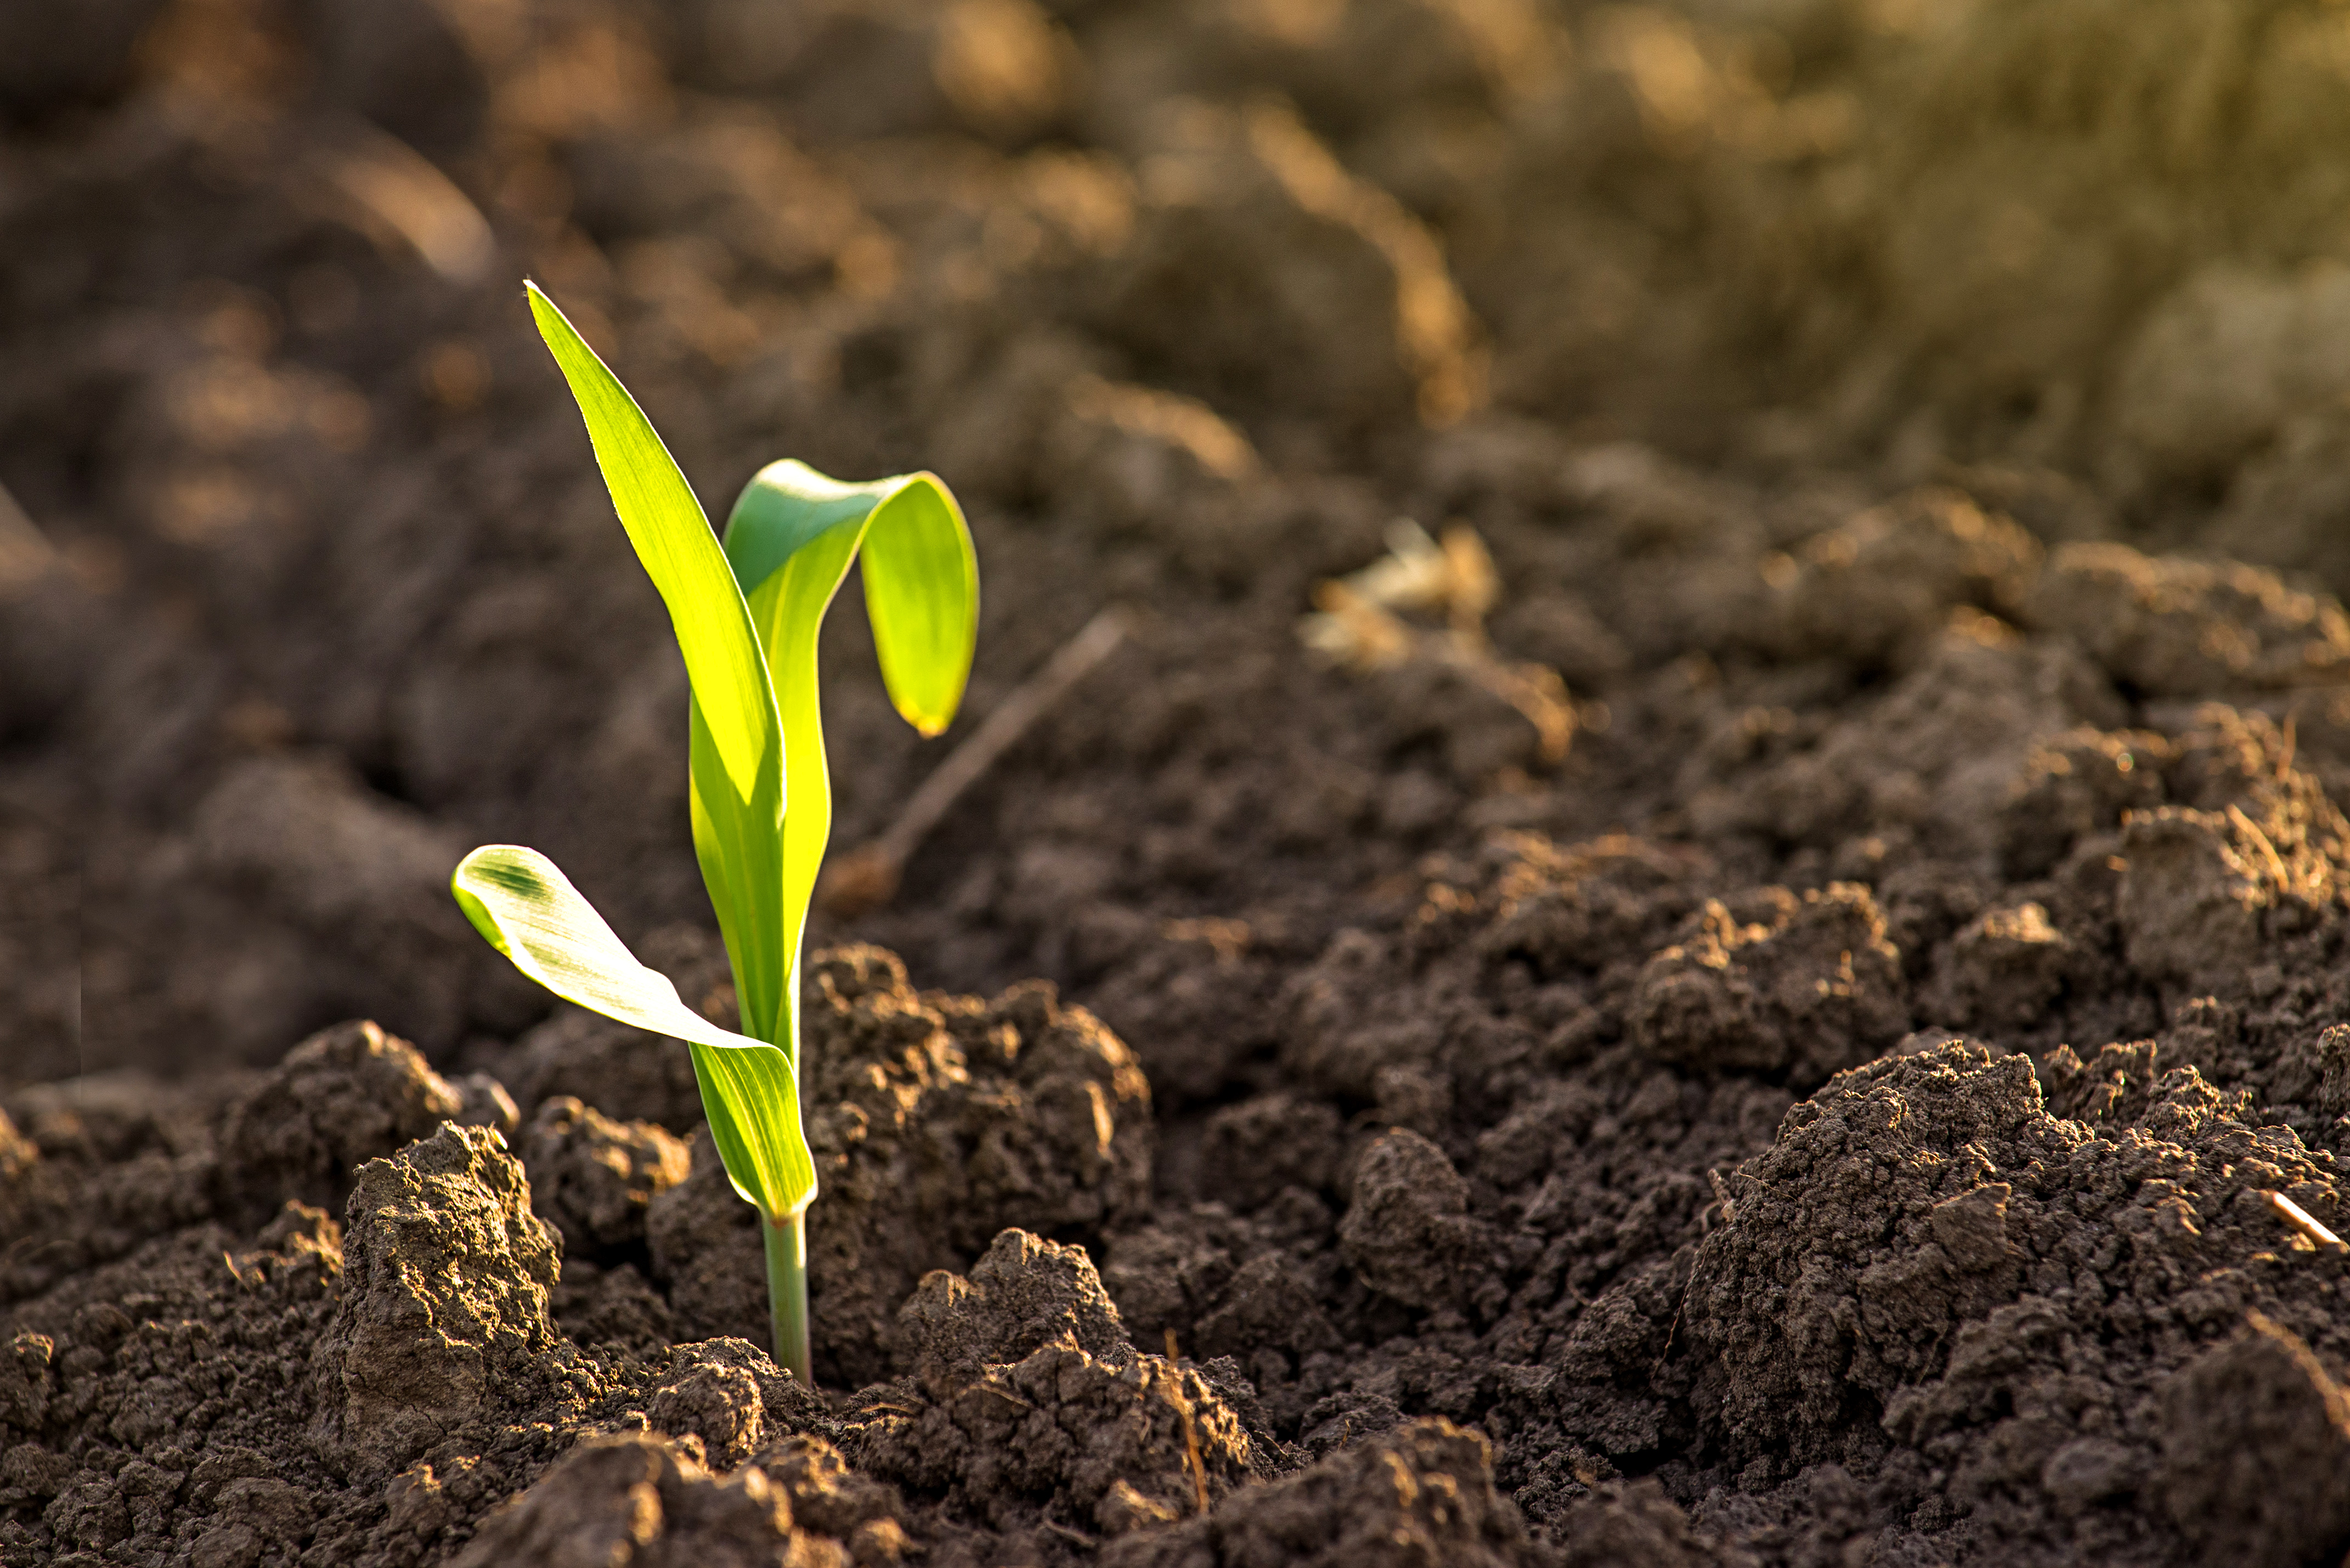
(867, 876)
(1354, 624)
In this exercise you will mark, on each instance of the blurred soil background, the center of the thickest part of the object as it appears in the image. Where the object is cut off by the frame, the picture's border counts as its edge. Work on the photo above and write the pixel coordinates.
(1912, 435)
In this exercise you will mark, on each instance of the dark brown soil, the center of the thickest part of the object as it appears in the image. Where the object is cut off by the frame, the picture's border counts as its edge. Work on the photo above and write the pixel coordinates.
(1835, 1114)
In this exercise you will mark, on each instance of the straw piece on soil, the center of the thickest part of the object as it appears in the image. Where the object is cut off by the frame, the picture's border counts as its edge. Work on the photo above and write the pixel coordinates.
(867, 876)
(2303, 1221)
(25, 550)
(1191, 1460)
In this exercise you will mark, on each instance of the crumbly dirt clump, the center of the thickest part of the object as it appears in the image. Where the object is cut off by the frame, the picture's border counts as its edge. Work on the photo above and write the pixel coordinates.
(936, 1122)
(367, 1392)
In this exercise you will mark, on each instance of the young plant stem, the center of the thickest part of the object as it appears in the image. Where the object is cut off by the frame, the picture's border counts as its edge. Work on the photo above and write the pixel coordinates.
(787, 1238)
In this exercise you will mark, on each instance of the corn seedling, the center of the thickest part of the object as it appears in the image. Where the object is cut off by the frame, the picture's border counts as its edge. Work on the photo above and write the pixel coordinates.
(746, 612)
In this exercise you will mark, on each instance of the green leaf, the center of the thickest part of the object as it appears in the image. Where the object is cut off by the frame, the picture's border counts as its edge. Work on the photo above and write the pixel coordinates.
(673, 538)
(737, 749)
(739, 845)
(791, 539)
(747, 614)
(921, 576)
(922, 591)
(528, 910)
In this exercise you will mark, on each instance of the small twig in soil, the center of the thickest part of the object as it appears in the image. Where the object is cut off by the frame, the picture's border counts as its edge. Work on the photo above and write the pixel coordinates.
(867, 876)
(2303, 1221)
(1006, 1395)
(1191, 1460)
(25, 551)
(403, 191)
(1228, 939)
(1718, 1211)
(2252, 831)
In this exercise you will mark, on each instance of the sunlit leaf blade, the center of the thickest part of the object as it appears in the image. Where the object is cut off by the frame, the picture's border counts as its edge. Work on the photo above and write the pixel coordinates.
(673, 538)
(751, 1097)
(739, 845)
(786, 504)
(791, 539)
(921, 576)
(792, 601)
(524, 905)
(922, 591)
(735, 759)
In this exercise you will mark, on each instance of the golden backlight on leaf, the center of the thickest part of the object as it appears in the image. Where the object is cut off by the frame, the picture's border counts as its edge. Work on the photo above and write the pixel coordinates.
(746, 613)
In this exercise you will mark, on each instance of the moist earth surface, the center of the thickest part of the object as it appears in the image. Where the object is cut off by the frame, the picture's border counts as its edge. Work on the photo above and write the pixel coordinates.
(1768, 991)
